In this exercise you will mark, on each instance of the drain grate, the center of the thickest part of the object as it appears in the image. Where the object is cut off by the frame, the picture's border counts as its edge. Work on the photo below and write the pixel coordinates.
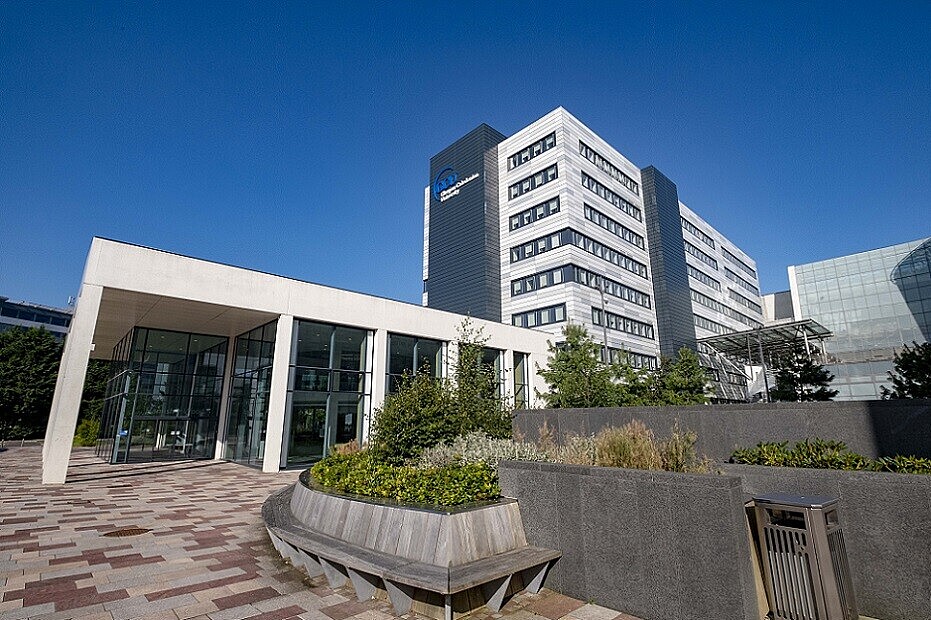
(128, 531)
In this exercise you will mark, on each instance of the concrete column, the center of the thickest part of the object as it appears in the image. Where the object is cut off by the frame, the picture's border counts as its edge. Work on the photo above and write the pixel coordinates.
(278, 395)
(219, 452)
(66, 403)
(379, 365)
(507, 380)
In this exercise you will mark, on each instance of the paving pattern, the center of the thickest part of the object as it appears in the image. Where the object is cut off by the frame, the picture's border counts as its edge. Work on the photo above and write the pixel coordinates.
(205, 556)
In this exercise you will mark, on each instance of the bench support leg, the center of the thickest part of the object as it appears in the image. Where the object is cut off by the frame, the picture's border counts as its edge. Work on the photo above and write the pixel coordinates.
(401, 595)
(536, 575)
(309, 562)
(494, 592)
(363, 583)
(334, 573)
(448, 607)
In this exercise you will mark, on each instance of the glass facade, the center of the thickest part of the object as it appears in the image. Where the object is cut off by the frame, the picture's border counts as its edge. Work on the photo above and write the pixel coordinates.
(163, 396)
(874, 302)
(408, 354)
(329, 384)
(249, 389)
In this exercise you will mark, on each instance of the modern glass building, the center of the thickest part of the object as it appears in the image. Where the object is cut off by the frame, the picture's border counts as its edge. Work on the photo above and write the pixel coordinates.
(211, 361)
(875, 302)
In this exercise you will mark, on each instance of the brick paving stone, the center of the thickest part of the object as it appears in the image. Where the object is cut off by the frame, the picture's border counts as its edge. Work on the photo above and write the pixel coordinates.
(207, 556)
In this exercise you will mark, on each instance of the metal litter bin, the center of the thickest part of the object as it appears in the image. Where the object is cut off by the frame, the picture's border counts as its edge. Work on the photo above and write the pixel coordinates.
(804, 558)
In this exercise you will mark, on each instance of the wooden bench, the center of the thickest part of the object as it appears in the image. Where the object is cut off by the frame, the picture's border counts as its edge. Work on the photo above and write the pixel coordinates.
(376, 546)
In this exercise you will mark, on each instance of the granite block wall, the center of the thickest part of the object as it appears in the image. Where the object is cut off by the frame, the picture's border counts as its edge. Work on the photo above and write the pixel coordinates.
(657, 545)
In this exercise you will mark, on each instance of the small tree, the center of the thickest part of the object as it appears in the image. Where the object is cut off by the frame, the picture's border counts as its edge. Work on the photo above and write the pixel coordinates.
(911, 373)
(679, 381)
(478, 402)
(799, 379)
(29, 360)
(577, 376)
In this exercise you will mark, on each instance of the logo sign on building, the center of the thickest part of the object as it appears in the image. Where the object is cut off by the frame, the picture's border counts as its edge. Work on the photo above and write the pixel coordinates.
(447, 184)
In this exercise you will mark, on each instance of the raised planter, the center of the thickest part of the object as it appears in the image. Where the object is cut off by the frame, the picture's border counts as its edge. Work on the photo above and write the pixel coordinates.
(440, 563)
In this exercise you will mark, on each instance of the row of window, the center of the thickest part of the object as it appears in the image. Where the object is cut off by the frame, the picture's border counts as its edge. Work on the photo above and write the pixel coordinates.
(532, 182)
(593, 215)
(610, 287)
(703, 277)
(579, 275)
(717, 306)
(708, 260)
(616, 199)
(623, 324)
(712, 326)
(541, 316)
(637, 360)
(35, 317)
(613, 171)
(537, 148)
(736, 279)
(567, 236)
(734, 259)
(534, 213)
(734, 295)
(692, 228)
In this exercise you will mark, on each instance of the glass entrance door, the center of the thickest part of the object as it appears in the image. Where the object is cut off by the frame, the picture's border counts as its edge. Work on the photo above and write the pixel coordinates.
(248, 404)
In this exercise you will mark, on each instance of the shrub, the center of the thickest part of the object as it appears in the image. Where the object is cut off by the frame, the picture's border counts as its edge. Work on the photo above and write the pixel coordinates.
(631, 446)
(679, 453)
(479, 447)
(577, 450)
(826, 454)
(361, 473)
(414, 418)
(86, 433)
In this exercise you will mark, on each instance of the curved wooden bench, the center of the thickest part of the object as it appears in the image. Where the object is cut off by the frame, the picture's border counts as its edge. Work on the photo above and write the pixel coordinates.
(442, 564)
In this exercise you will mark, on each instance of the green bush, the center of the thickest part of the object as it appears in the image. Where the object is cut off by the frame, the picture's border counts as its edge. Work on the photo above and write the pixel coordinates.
(87, 432)
(361, 473)
(826, 454)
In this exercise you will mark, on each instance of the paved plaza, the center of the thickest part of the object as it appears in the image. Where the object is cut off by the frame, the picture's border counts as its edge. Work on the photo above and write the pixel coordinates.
(205, 554)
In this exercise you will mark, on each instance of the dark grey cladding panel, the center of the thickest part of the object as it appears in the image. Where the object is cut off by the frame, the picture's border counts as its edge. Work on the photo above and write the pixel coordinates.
(675, 324)
(464, 263)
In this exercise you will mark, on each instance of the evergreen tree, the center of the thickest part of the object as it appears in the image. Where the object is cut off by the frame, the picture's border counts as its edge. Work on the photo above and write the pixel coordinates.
(679, 381)
(578, 377)
(799, 379)
(911, 373)
(29, 360)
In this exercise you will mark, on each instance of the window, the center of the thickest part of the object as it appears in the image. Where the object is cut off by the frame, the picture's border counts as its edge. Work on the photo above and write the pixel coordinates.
(610, 287)
(567, 236)
(692, 228)
(534, 213)
(622, 323)
(593, 215)
(537, 148)
(542, 316)
(637, 360)
(736, 279)
(720, 308)
(594, 186)
(533, 182)
(711, 326)
(734, 295)
(744, 266)
(409, 354)
(605, 166)
(708, 260)
(521, 380)
(703, 277)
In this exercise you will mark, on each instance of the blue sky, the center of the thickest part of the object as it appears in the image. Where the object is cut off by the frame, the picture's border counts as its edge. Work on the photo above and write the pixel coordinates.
(295, 138)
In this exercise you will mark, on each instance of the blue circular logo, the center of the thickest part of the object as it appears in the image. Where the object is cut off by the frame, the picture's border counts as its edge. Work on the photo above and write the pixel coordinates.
(444, 180)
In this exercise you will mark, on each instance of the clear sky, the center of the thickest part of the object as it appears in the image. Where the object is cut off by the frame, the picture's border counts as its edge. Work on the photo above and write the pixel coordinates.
(295, 137)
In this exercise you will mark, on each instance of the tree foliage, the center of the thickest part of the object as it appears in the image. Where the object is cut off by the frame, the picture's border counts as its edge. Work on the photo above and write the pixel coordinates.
(578, 377)
(799, 379)
(29, 360)
(911, 373)
(426, 411)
